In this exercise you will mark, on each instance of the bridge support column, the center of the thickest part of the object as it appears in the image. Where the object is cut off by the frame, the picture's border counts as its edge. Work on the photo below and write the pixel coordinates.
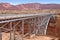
(34, 26)
(29, 28)
(22, 30)
(10, 30)
(0, 33)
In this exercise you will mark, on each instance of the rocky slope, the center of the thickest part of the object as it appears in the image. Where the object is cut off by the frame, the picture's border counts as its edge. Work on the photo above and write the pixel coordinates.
(28, 6)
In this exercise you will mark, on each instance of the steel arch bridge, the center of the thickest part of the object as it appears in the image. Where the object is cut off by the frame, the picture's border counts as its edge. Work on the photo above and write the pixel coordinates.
(38, 21)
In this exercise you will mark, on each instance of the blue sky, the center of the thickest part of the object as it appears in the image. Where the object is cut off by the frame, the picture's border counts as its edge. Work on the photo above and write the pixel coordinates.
(30, 1)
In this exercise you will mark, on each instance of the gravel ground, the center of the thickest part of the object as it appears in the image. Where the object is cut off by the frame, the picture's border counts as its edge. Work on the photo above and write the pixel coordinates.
(6, 36)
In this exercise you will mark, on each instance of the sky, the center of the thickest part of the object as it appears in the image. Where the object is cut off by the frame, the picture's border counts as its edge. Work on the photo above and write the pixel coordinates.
(15, 2)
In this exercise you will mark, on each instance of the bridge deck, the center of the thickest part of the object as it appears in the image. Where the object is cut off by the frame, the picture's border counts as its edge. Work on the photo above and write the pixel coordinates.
(11, 16)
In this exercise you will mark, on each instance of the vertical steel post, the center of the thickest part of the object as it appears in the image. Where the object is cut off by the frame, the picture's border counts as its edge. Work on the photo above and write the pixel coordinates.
(29, 28)
(10, 30)
(22, 30)
(14, 33)
(35, 26)
(43, 19)
(38, 25)
(0, 33)
(15, 29)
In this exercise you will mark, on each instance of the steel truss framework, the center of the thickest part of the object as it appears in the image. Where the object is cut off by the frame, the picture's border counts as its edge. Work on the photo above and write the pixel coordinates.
(39, 24)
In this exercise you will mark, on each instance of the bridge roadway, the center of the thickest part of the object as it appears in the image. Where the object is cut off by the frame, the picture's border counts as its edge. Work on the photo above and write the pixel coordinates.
(43, 19)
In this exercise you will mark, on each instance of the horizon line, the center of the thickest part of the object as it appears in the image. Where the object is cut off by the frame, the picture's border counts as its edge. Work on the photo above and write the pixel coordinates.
(28, 3)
